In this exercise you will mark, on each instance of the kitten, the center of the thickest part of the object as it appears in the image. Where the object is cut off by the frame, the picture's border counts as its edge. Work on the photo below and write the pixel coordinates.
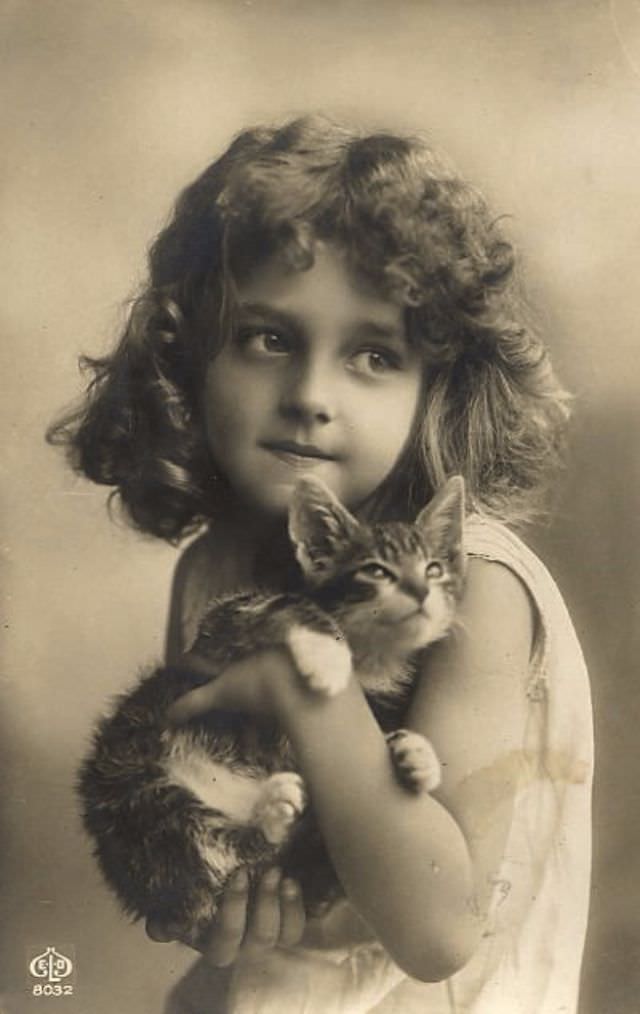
(173, 812)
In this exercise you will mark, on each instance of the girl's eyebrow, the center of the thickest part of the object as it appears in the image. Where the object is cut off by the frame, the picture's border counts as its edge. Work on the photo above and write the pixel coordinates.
(365, 328)
(266, 312)
(376, 329)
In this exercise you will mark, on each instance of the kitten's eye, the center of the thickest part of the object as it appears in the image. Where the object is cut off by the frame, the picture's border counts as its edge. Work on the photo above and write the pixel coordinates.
(376, 572)
(434, 569)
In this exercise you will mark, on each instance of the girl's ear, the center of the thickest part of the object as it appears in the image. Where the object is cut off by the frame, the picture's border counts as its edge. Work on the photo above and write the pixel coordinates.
(319, 527)
(442, 522)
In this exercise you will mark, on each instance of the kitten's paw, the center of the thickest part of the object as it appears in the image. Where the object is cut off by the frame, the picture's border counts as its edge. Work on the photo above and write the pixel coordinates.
(322, 661)
(414, 760)
(282, 800)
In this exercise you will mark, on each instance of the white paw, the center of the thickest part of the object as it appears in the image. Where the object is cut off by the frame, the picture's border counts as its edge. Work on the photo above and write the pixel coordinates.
(414, 760)
(322, 661)
(281, 801)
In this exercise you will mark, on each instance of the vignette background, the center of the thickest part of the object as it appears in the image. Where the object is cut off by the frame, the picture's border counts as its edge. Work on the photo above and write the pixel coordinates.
(110, 108)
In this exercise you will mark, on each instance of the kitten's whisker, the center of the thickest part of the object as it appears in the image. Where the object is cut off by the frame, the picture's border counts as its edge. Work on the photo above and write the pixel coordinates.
(458, 625)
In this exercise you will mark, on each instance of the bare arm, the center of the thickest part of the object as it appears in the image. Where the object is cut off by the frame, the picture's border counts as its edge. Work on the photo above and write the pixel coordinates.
(189, 561)
(418, 868)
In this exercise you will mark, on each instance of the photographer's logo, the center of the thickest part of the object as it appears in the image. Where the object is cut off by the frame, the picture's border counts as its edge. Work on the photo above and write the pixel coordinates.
(51, 968)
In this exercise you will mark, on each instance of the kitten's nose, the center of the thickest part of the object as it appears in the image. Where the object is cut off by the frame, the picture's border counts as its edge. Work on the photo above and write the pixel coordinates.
(417, 589)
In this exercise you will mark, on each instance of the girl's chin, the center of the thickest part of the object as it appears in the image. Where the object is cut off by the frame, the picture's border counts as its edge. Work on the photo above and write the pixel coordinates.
(266, 504)
(272, 500)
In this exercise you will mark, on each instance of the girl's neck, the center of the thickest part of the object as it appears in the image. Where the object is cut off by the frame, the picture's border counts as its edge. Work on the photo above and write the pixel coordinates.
(260, 544)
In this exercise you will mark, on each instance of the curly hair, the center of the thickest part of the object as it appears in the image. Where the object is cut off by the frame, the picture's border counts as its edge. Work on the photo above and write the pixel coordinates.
(410, 226)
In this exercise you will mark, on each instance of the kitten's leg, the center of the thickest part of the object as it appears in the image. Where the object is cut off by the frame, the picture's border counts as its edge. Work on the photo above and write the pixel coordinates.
(322, 659)
(414, 760)
(282, 800)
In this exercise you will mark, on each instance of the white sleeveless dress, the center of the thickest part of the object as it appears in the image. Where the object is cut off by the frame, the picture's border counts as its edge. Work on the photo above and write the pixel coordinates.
(529, 959)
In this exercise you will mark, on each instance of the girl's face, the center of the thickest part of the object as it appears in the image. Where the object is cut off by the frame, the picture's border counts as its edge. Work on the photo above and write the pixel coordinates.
(318, 377)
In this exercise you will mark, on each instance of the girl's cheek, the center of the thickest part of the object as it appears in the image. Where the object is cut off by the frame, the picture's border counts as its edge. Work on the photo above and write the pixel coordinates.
(398, 412)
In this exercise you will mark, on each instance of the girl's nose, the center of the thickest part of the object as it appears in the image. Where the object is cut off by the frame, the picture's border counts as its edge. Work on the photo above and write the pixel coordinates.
(307, 396)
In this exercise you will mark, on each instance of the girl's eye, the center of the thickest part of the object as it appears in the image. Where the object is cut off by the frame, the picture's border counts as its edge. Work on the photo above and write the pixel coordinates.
(434, 569)
(372, 362)
(264, 343)
(376, 572)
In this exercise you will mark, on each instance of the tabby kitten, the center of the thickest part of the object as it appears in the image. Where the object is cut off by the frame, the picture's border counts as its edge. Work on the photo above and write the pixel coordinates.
(173, 812)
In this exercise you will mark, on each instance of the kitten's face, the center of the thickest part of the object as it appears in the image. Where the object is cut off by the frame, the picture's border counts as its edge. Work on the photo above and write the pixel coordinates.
(394, 585)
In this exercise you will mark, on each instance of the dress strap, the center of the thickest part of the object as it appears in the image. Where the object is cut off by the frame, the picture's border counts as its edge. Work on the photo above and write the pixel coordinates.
(491, 540)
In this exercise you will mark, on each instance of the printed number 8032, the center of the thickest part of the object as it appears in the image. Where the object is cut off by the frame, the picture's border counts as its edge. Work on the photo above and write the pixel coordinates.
(51, 990)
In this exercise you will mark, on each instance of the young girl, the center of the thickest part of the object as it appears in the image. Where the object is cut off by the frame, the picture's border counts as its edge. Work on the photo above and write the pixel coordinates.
(331, 303)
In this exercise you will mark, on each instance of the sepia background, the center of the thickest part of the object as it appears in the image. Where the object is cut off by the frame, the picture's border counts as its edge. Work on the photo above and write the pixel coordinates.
(109, 107)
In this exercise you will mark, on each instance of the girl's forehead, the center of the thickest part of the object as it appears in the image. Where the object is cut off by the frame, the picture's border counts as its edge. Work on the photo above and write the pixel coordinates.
(328, 287)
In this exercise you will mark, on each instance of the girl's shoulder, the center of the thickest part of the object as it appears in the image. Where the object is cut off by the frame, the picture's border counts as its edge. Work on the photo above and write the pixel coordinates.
(493, 540)
(488, 539)
(556, 649)
(201, 573)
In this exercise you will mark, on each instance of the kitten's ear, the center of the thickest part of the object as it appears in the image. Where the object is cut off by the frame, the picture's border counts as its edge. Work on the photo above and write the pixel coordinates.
(319, 526)
(442, 523)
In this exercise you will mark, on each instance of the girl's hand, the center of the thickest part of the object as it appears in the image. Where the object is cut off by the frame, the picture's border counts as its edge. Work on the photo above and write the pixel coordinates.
(272, 917)
(252, 685)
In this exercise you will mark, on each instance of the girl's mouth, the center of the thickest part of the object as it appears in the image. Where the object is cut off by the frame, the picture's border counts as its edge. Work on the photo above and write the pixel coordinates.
(297, 455)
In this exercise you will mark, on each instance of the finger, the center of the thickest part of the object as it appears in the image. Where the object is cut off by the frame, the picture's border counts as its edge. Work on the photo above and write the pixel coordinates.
(224, 941)
(195, 663)
(208, 696)
(160, 932)
(263, 928)
(292, 914)
(192, 704)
